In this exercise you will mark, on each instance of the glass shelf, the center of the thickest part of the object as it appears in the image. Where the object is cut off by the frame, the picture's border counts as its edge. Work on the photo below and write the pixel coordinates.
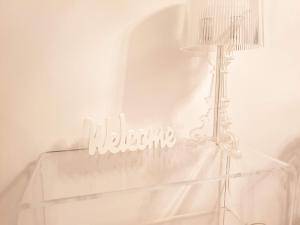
(176, 186)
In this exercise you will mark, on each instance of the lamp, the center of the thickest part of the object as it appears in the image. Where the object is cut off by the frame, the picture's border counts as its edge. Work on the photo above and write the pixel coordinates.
(225, 26)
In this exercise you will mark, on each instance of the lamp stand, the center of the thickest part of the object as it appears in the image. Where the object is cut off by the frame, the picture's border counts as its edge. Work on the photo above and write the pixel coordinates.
(222, 135)
(223, 138)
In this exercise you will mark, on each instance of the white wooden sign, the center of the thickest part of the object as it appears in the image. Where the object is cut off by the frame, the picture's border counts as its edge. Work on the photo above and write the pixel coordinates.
(103, 139)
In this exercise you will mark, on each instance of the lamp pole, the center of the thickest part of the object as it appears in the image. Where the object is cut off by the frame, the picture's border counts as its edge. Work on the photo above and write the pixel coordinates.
(219, 94)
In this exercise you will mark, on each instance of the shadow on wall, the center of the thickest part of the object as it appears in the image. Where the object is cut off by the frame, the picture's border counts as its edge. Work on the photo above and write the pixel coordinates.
(12, 195)
(160, 77)
(291, 155)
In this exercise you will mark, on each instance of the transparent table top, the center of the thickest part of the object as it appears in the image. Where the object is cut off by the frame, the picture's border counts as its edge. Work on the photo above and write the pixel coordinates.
(185, 185)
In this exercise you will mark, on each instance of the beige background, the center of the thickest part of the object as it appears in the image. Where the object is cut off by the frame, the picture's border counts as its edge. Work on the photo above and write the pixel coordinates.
(62, 61)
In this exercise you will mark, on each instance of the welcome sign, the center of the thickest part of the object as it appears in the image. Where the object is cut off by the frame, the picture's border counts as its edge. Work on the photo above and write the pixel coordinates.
(104, 139)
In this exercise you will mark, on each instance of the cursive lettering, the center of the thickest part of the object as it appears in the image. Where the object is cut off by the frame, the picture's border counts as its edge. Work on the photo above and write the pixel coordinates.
(103, 139)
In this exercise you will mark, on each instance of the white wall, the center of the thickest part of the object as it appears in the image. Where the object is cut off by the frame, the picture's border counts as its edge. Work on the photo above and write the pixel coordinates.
(61, 61)
(264, 83)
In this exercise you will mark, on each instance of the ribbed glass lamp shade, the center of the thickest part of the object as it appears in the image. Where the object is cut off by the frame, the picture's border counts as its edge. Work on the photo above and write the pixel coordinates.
(235, 24)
